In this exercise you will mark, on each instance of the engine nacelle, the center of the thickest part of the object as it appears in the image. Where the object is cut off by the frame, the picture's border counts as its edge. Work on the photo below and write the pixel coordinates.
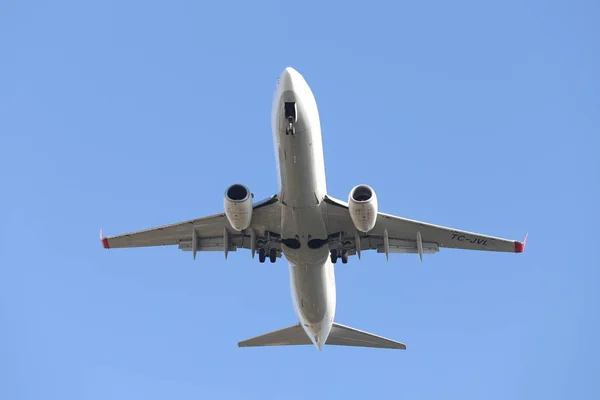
(238, 206)
(362, 203)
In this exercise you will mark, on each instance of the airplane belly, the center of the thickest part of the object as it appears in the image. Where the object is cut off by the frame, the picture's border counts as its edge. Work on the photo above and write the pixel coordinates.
(302, 187)
(297, 169)
(314, 297)
(298, 145)
(307, 228)
(297, 160)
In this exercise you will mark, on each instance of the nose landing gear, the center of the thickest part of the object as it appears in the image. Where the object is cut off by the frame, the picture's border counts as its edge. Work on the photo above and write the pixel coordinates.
(290, 116)
(290, 129)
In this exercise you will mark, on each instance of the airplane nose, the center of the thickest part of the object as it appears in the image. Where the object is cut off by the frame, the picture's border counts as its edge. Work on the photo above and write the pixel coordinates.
(288, 78)
(290, 71)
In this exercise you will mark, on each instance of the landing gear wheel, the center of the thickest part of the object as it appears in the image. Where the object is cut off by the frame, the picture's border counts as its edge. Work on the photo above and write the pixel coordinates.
(290, 130)
(261, 255)
(334, 257)
(273, 255)
(345, 258)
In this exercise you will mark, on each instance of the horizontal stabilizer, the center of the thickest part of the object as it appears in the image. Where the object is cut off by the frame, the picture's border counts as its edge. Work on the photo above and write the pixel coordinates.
(340, 335)
(290, 336)
(345, 336)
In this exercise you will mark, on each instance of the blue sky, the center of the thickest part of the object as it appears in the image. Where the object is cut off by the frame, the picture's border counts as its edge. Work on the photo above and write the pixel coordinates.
(124, 115)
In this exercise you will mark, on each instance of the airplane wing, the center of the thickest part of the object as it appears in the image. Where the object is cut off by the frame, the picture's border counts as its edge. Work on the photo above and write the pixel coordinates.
(393, 234)
(212, 233)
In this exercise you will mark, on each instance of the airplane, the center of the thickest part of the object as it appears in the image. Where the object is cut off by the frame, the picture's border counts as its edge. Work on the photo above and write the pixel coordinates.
(312, 229)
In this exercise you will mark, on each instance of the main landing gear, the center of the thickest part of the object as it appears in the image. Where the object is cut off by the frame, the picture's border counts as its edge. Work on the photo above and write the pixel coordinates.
(335, 254)
(339, 252)
(262, 255)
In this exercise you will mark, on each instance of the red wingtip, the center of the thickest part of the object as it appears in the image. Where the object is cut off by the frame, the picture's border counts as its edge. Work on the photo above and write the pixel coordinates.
(104, 240)
(520, 246)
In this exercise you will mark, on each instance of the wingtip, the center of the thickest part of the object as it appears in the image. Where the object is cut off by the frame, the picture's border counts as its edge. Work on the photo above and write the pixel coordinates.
(103, 240)
(520, 246)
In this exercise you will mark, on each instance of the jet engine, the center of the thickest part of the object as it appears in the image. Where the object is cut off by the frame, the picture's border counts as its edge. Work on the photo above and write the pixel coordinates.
(362, 204)
(238, 206)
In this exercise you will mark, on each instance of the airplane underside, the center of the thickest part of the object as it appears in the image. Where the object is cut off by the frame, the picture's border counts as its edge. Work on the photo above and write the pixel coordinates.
(310, 228)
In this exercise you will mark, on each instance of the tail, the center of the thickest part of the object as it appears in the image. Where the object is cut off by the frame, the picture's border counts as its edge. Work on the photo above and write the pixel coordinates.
(340, 335)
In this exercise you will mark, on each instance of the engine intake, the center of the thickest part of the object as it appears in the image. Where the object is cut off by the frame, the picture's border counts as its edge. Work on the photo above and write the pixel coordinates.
(238, 206)
(362, 204)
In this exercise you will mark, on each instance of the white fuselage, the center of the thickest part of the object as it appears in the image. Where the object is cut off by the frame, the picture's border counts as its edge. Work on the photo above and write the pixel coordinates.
(302, 187)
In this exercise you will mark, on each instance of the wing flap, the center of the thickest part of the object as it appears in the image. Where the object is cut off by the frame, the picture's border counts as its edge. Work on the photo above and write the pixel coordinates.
(216, 243)
(402, 246)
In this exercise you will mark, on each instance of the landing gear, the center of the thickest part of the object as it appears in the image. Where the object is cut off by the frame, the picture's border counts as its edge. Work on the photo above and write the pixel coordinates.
(290, 129)
(290, 116)
(262, 255)
(334, 255)
(267, 247)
